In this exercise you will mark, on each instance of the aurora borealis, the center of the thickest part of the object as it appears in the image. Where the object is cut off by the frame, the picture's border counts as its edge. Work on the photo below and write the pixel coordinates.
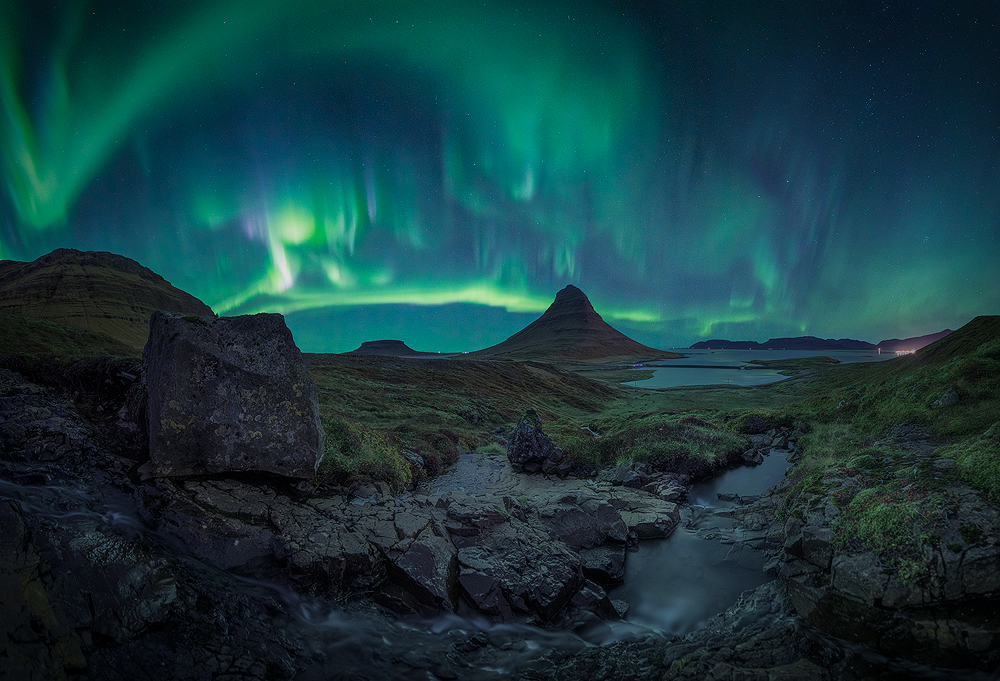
(435, 171)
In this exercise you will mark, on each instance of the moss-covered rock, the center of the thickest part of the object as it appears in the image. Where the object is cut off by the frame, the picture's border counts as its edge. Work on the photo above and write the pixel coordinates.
(229, 395)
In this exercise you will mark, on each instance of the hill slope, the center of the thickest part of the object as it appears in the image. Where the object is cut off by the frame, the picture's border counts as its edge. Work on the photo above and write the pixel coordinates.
(96, 291)
(570, 329)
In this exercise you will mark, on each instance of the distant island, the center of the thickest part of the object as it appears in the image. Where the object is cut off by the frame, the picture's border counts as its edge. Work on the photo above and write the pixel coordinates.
(814, 343)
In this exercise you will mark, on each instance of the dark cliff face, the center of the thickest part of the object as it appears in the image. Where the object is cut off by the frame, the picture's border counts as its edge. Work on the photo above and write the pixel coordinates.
(95, 291)
(571, 329)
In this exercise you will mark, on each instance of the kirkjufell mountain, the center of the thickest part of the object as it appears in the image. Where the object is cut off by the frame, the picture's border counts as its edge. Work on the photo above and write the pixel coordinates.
(570, 329)
(92, 290)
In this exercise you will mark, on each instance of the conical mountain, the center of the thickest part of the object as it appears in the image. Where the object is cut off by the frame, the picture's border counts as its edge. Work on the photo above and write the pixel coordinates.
(570, 329)
(92, 290)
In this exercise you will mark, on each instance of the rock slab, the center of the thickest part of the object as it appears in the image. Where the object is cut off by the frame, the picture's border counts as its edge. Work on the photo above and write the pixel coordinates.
(229, 395)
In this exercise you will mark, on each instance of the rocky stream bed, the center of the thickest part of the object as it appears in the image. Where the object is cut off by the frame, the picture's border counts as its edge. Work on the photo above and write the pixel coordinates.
(483, 572)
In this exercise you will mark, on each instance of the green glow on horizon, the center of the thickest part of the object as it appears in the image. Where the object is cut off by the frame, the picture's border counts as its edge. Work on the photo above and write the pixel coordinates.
(316, 155)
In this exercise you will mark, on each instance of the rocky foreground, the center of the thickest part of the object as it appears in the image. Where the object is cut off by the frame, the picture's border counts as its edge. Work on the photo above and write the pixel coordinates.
(247, 576)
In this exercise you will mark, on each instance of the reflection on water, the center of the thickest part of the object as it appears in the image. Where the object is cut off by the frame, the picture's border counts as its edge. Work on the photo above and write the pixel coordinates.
(745, 480)
(675, 585)
(721, 367)
(678, 376)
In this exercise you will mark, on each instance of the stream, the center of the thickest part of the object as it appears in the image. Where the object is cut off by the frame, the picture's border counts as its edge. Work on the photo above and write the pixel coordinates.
(697, 556)
(700, 570)
(674, 585)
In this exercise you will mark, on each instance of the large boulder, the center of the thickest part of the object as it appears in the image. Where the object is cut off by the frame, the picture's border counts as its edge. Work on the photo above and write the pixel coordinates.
(529, 447)
(228, 395)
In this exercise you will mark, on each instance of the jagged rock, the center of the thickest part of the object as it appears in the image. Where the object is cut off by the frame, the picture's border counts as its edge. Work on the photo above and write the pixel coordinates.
(668, 488)
(227, 395)
(582, 523)
(593, 598)
(633, 480)
(861, 576)
(883, 600)
(604, 564)
(948, 399)
(652, 523)
(520, 564)
(485, 592)
(430, 570)
(529, 447)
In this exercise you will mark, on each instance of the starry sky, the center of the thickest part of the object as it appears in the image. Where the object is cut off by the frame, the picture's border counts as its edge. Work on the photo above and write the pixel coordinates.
(436, 171)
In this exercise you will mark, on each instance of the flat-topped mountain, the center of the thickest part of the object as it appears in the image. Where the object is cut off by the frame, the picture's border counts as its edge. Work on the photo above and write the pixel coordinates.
(389, 348)
(570, 329)
(92, 290)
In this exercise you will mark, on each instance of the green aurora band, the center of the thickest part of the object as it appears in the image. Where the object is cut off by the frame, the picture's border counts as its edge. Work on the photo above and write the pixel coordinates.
(741, 171)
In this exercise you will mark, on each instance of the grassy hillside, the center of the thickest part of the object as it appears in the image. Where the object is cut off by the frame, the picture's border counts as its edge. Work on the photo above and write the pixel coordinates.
(37, 337)
(377, 408)
(890, 493)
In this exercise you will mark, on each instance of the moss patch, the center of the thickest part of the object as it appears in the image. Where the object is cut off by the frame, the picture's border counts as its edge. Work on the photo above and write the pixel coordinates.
(355, 451)
(978, 462)
(669, 442)
(37, 336)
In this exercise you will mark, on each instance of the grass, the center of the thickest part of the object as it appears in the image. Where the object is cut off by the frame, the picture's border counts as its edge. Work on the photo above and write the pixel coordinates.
(436, 407)
(355, 451)
(667, 441)
(377, 408)
(491, 448)
(978, 461)
(32, 336)
(893, 500)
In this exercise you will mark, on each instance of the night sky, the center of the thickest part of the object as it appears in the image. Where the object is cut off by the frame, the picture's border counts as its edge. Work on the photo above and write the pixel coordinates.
(436, 171)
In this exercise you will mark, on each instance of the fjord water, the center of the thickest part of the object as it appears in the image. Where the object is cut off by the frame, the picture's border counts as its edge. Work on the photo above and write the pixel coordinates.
(732, 367)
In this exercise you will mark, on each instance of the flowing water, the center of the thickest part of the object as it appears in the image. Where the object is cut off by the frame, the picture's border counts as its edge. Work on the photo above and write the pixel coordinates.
(676, 584)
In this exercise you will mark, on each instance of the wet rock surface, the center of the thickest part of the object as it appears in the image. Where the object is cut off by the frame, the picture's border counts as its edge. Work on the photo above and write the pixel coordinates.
(936, 608)
(932, 608)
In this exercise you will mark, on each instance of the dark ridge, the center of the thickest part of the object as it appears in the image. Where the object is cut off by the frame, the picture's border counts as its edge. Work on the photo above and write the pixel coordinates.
(981, 330)
(95, 291)
(914, 343)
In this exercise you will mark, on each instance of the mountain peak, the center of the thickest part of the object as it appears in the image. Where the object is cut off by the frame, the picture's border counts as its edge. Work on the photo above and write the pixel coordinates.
(571, 329)
(571, 295)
